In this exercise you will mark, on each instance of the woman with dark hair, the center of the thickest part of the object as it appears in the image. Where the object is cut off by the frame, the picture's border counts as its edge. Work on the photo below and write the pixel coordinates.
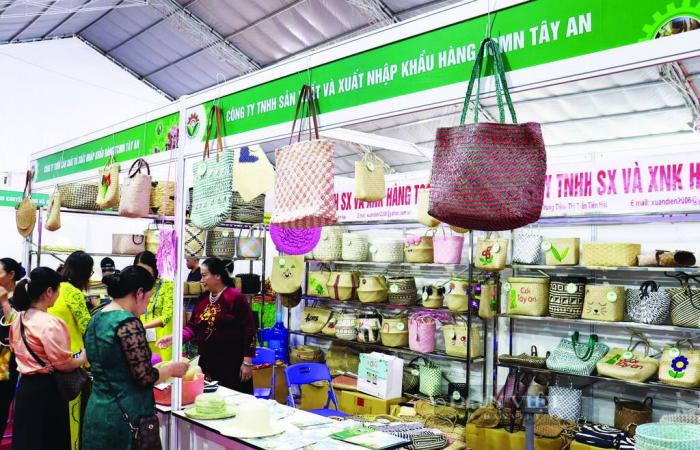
(157, 320)
(10, 273)
(71, 308)
(123, 376)
(41, 414)
(223, 328)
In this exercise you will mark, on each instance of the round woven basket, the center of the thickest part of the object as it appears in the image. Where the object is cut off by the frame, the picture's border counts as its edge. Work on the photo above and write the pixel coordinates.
(402, 291)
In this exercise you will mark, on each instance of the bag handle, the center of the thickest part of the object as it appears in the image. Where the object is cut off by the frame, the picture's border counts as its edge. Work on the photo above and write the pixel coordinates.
(533, 351)
(214, 114)
(137, 237)
(26, 344)
(646, 287)
(28, 184)
(138, 165)
(499, 77)
(592, 340)
(306, 97)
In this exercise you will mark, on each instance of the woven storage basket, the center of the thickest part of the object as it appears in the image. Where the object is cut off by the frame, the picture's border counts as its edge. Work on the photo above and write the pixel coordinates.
(372, 289)
(395, 332)
(330, 245)
(566, 297)
(402, 291)
(667, 436)
(221, 243)
(163, 193)
(79, 196)
(346, 327)
(604, 303)
(305, 353)
(433, 296)
(491, 252)
(355, 247)
(457, 297)
(152, 240)
(561, 251)
(456, 340)
(419, 252)
(386, 250)
(194, 241)
(248, 212)
(528, 296)
(342, 286)
(610, 254)
(317, 283)
(368, 326)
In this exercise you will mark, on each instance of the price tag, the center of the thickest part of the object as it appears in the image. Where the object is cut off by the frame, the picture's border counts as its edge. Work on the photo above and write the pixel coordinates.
(506, 287)
(400, 326)
(394, 288)
(373, 249)
(456, 396)
(224, 234)
(674, 352)
(627, 355)
(571, 288)
(496, 247)
(612, 297)
(546, 246)
(201, 170)
(370, 166)
(324, 236)
(424, 296)
(415, 372)
(348, 242)
(281, 262)
(151, 334)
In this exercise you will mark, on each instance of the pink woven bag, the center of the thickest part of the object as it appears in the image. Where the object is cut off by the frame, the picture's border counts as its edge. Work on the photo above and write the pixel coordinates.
(447, 249)
(304, 182)
(421, 330)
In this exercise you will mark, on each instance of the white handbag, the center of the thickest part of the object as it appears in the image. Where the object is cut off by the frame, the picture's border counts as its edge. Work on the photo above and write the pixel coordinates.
(565, 403)
(527, 247)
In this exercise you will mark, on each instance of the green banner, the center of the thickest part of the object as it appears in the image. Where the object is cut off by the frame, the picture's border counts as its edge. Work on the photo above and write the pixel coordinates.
(155, 136)
(12, 198)
(529, 34)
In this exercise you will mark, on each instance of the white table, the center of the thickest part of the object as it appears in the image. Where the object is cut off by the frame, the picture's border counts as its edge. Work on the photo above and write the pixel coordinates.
(205, 434)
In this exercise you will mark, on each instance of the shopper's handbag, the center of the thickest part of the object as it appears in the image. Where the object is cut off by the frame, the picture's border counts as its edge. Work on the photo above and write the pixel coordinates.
(162, 199)
(422, 209)
(488, 300)
(314, 319)
(213, 180)
(194, 241)
(221, 243)
(430, 379)
(287, 273)
(128, 244)
(527, 247)
(625, 364)
(647, 304)
(305, 171)
(250, 283)
(576, 358)
(330, 245)
(421, 332)
(525, 360)
(603, 302)
(566, 295)
(458, 295)
(26, 210)
(372, 289)
(419, 249)
(316, 284)
(629, 414)
(457, 338)
(680, 366)
(135, 198)
(491, 252)
(447, 249)
(527, 296)
(488, 176)
(342, 286)
(561, 251)
(685, 303)
(251, 246)
(355, 247)
(53, 213)
(565, 402)
(69, 384)
(369, 178)
(108, 192)
(79, 196)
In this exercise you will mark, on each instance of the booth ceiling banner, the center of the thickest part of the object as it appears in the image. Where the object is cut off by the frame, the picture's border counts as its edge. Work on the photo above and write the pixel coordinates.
(12, 198)
(152, 137)
(531, 34)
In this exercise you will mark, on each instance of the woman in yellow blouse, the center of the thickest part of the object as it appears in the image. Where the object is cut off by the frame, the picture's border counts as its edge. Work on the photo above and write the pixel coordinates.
(158, 318)
(72, 309)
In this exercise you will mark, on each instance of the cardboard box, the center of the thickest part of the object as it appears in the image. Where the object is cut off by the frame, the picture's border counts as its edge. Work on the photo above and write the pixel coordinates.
(262, 378)
(380, 375)
(358, 403)
(315, 396)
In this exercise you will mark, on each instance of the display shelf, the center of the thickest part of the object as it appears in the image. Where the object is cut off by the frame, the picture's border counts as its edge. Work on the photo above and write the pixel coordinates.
(408, 351)
(598, 378)
(168, 219)
(442, 400)
(66, 253)
(359, 304)
(690, 270)
(645, 326)
(393, 266)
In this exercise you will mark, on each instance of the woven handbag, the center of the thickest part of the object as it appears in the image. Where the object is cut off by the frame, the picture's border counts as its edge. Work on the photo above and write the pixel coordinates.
(422, 209)
(680, 366)
(395, 332)
(421, 332)
(457, 339)
(53, 212)
(248, 212)
(136, 191)
(25, 216)
(685, 303)
(604, 303)
(488, 176)
(316, 283)
(576, 358)
(430, 379)
(629, 414)
(162, 200)
(610, 254)
(342, 286)
(369, 325)
(566, 296)
(491, 252)
(79, 196)
(152, 239)
(527, 296)
(304, 184)
(418, 249)
(525, 360)
(314, 319)
(458, 295)
(355, 247)
(369, 178)
(565, 402)
(287, 273)
(108, 192)
(386, 250)
(372, 289)
(447, 249)
(527, 247)
(346, 326)
(402, 291)
(128, 244)
(194, 241)
(221, 243)
(212, 196)
(330, 245)
(251, 246)
(561, 251)
(433, 296)
(647, 304)
(624, 364)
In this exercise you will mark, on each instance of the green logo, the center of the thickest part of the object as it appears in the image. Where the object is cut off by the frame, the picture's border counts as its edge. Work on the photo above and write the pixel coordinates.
(193, 125)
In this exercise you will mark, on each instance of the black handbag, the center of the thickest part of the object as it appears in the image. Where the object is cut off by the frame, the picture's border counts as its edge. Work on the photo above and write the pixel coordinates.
(250, 283)
(69, 384)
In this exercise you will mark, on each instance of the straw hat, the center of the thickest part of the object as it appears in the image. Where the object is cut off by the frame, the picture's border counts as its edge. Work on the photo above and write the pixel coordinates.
(26, 217)
(210, 407)
(255, 423)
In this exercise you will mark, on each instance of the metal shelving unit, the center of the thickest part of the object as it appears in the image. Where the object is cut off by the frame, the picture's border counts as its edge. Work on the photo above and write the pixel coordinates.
(689, 270)
(548, 319)
(384, 306)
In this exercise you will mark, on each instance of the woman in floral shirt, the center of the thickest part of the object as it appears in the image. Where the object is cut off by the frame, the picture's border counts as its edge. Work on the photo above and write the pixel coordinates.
(157, 320)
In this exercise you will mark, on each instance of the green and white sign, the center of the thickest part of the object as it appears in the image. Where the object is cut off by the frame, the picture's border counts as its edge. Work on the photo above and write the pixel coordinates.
(12, 198)
(155, 136)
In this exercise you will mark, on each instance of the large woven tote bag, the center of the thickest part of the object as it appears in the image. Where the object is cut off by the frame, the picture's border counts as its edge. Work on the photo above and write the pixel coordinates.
(212, 197)
(136, 191)
(304, 183)
(488, 176)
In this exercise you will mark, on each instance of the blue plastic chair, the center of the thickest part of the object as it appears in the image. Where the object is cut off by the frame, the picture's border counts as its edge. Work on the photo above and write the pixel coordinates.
(307, 373)
(265, 356)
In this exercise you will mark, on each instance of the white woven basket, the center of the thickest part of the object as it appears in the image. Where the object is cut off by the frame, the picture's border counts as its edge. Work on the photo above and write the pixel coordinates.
(386, 250)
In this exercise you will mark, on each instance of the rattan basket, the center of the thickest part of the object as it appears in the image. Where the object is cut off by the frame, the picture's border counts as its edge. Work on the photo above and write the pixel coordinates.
(610, 254)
